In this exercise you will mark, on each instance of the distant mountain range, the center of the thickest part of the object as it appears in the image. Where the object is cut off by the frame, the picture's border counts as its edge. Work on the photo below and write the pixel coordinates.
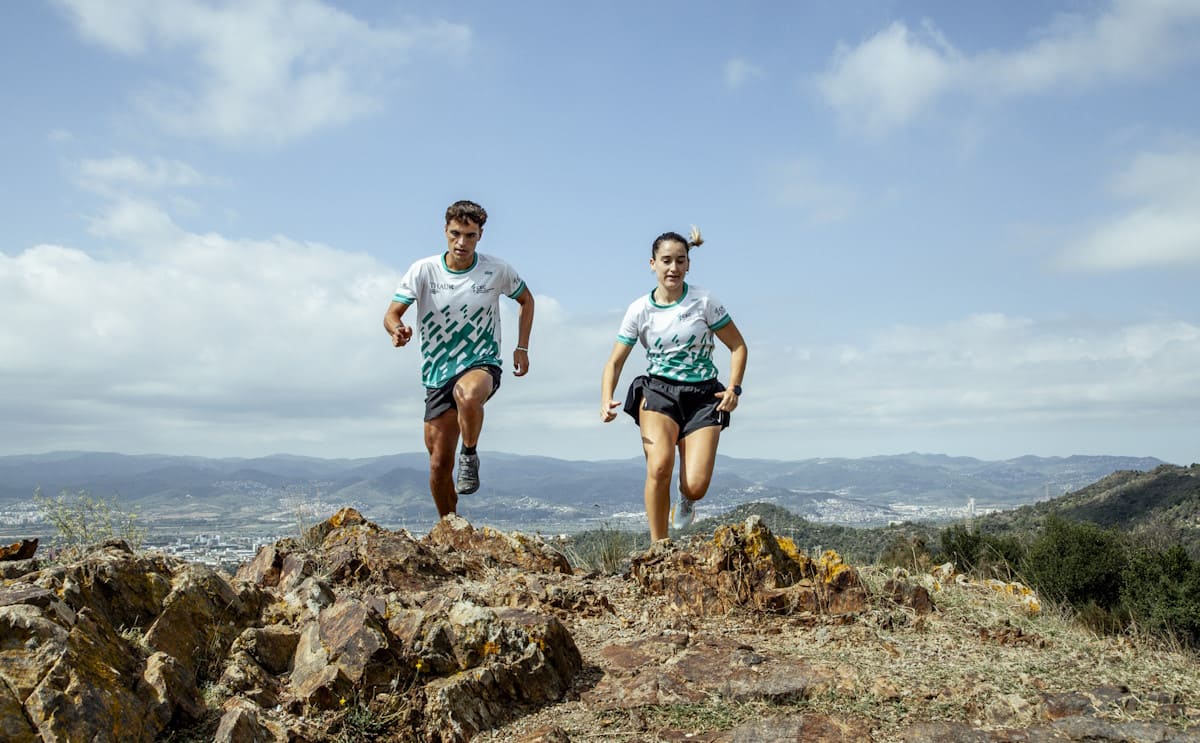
(538, 493)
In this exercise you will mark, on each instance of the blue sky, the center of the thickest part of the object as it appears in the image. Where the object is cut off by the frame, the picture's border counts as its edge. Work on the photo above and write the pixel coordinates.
(942, 227)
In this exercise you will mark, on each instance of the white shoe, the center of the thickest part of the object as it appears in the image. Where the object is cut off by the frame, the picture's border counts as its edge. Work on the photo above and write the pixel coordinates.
(684, 514)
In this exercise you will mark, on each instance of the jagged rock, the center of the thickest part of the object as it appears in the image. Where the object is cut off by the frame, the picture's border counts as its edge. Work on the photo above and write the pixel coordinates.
(529, 660)
(128, 589)
(29, 644)
(552, 734)
(907, 594)
(244, 676)
(272, 646)
(17, 568)
(173, 687)
(241, 725)
(674, 668)
(346, 648)
(746, 566)
(498, 548)
(559, 593)
(22, 550)
(358, 552)
(91, 687)
(807, 728)
(200, 618)
(265, 568)
(301, 604)
(14, 726)
(1056, 706)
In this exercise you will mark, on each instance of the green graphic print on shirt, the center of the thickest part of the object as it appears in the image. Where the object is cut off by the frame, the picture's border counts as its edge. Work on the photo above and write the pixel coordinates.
(678, 337)
(460, 320)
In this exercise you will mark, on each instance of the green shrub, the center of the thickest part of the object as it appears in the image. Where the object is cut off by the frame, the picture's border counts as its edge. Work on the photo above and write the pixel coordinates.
(1162, 592)
(1078, 563)
(984, 555)
(82, 519)
(961, 546)
(604, 550)
(909, 553)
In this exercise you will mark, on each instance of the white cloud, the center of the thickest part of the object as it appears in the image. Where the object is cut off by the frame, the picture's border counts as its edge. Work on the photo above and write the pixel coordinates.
(264, 70)
(896, 75)
(1163, 226)
(888, 79)
(211, 345)
(123, 171)
(218, 346)
(738, 72)
(987, 385)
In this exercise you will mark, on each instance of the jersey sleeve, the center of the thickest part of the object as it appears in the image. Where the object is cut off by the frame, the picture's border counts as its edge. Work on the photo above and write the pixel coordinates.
(630, 330)
(715, 314)
(511, 282)
(406, 293)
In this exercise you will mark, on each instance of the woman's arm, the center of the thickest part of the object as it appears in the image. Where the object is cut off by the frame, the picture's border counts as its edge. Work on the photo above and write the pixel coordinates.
(608, 384)
(732, 338)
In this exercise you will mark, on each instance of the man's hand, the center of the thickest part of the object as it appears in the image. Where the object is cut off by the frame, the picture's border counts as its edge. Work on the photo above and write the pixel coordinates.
(520, 362)
(401, 335)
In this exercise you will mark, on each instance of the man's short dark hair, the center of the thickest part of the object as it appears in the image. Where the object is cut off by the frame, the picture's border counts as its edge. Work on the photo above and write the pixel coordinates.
(466, 211)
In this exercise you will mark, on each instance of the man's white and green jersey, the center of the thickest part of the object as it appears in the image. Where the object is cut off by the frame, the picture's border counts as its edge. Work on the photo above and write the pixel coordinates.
(678, 337)
(459, 313)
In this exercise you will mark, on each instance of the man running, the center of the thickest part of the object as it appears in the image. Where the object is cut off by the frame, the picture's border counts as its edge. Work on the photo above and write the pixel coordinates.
(458, 297)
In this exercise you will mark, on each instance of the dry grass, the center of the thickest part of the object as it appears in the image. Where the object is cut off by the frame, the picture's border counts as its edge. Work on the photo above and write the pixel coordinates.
(981, 658)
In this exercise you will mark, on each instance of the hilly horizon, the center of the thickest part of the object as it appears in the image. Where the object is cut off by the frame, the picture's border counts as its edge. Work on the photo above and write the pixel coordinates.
(181, 494)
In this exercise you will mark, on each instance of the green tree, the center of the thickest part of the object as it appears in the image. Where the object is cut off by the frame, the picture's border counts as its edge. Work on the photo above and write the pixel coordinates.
(1079, 563)
(1162, 592)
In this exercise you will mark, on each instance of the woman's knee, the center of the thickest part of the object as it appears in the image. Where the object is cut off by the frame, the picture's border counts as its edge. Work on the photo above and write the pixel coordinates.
(694, 489)
(658, 468)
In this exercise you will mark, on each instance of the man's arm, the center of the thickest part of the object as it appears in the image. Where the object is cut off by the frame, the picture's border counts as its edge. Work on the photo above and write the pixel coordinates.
(524, 328)
(394, 324)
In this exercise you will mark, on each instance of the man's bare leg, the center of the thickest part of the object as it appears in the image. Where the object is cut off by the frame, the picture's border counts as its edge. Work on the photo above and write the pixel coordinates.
(441, 439)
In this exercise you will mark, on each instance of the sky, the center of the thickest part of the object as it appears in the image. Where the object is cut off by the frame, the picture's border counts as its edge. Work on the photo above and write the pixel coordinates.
(944, 227)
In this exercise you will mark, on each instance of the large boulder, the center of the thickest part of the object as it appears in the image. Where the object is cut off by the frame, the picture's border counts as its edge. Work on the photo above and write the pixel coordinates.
(746, 566)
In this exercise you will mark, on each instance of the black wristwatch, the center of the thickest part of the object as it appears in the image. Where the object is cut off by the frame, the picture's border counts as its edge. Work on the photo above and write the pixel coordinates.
(737, 390)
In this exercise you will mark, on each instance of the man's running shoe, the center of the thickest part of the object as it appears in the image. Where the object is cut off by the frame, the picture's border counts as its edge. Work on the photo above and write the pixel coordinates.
(684, 514)
(468, 474)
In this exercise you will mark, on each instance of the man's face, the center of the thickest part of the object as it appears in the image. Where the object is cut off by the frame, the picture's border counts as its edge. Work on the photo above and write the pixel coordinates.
(461, 239)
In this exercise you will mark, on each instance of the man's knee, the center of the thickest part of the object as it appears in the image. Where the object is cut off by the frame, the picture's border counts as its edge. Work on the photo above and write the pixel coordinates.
(441, 466)
(471, 396)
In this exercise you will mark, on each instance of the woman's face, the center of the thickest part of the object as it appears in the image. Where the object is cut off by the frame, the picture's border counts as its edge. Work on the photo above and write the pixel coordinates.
(670, 264)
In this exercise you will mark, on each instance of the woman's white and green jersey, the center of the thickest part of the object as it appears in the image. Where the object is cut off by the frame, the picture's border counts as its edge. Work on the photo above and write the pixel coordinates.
(678, 337)
(460, 313)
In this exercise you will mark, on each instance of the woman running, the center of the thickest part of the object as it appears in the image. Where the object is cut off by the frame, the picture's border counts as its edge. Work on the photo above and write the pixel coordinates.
(679, 403)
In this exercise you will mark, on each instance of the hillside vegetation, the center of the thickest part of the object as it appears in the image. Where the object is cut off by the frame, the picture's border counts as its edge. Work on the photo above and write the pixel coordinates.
(1121, 554)
(1158, 508)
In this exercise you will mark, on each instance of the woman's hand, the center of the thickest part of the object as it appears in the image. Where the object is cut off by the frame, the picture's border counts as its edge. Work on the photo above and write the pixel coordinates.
(609, 409)
(729, 401)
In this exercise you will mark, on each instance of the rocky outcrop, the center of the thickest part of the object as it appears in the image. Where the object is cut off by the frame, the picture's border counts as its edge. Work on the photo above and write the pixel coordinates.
(117, 645)
(746, 566)
(22, 550)
(352, 632)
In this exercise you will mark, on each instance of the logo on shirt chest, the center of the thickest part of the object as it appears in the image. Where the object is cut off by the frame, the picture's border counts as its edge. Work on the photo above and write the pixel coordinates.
(437, 287)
